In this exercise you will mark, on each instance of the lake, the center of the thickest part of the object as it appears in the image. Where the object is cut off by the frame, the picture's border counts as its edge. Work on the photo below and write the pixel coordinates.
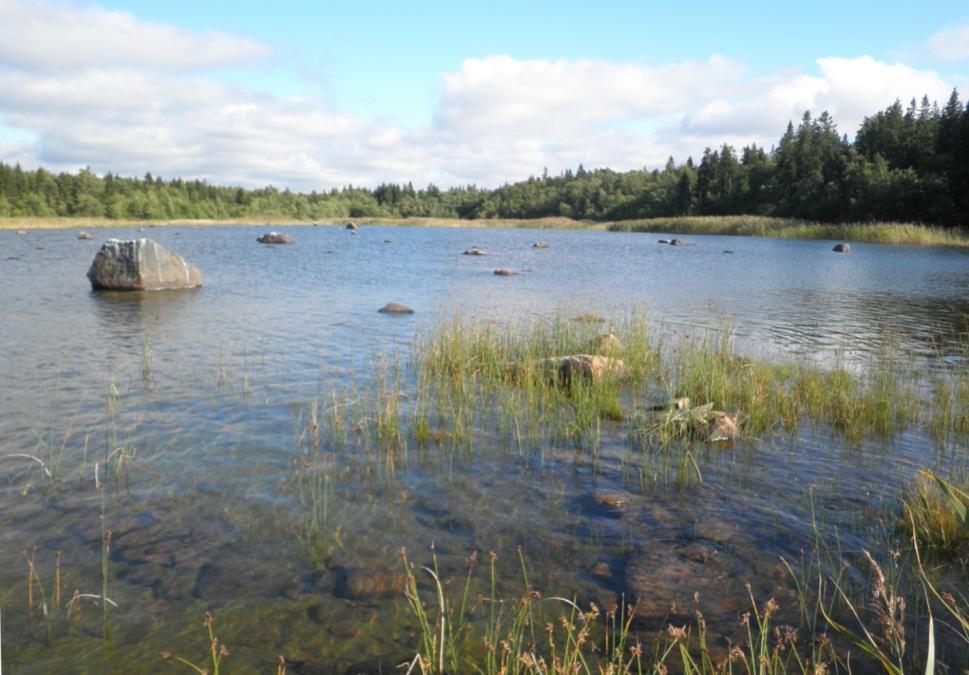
(192, 408)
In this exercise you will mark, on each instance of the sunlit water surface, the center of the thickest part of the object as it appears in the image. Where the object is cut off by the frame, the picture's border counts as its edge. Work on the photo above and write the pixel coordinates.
(207, 392)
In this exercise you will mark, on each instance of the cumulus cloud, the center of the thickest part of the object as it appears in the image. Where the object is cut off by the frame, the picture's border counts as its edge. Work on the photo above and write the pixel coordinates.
(849, 89)
(42, 35)
(951, 43)
(110, 91)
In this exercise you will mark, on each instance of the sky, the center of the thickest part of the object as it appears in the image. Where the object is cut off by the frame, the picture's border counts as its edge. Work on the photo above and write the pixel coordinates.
(316, 95)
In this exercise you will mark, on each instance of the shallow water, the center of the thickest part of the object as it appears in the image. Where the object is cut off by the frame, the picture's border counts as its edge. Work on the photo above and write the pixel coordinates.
(207, 391)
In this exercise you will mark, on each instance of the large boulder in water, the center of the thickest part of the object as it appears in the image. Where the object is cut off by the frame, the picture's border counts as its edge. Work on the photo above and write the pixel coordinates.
(140, 265)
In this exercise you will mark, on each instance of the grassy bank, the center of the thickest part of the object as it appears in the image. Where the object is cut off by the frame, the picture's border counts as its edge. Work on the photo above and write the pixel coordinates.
(748, 226)
(789, 228)
(66, 223)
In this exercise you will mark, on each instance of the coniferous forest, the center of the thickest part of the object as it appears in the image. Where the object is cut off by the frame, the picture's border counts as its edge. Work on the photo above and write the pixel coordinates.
(905, 164)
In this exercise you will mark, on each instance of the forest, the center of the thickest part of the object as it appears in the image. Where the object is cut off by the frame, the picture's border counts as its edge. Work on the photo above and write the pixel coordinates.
(908, 164)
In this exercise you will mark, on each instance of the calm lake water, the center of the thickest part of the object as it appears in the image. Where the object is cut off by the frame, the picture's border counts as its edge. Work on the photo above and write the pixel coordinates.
(207, 392)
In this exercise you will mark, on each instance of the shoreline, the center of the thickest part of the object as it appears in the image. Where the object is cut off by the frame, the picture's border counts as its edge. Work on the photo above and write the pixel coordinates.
(744, 226)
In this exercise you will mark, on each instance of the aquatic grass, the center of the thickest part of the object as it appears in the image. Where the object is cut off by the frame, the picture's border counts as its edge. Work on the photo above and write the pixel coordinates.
(790, 228)
(535, 634)
(949, 403)
(217, 651)
(936, 516)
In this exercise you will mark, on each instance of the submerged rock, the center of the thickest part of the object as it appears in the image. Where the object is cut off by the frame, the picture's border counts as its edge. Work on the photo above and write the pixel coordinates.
(85, 236)
(360, 583)
(395, 308)
(275, 238)
(602, 570)
(140, 265)
(474, 250)
(841, 248)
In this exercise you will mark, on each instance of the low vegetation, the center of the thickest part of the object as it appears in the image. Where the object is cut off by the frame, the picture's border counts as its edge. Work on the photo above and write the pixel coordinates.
(788, 228)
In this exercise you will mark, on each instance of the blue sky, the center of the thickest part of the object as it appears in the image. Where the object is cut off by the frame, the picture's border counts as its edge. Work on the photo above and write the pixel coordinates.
(312, 95)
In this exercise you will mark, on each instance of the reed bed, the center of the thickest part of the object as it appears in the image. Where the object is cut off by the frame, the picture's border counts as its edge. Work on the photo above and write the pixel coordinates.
(789, 228)
(468, 371)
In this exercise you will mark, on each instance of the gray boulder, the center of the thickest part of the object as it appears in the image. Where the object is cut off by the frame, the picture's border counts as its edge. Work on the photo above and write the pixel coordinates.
(140, 265)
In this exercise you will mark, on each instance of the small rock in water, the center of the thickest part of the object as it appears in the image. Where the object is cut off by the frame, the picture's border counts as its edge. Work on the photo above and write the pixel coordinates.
(502, 272)
(395, 308)
(608, 345)
(474, 250)
(541, 244)
(721, 427)
(275, 238)
(841, 248)
(612, 501)
(85, 235)
(601, 570)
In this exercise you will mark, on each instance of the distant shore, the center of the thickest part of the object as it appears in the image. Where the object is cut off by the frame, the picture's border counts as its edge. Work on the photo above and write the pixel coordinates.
(753, 226)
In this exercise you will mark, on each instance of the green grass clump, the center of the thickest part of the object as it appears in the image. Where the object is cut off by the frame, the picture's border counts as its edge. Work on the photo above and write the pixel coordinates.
(936, 515)
(506, 374)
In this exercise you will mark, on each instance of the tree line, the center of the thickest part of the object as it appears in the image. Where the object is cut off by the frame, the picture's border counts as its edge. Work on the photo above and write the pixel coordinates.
(904, 164)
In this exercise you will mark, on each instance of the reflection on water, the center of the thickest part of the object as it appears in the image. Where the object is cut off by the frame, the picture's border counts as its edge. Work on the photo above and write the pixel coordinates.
(192, 403)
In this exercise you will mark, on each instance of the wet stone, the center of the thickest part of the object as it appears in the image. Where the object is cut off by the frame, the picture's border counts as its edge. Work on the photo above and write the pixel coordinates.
(275, 238)
(395, 308)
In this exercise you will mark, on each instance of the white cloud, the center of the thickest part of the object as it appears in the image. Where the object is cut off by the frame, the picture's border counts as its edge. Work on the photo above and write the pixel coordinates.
(849, 89)
(951, 43)
(137, 98)
(47, 36)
